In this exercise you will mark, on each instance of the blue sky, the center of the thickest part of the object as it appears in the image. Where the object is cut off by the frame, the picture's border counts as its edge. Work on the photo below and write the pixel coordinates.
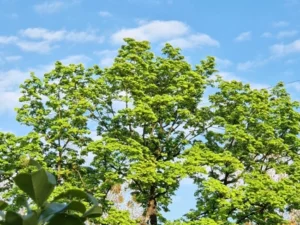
(254, 41)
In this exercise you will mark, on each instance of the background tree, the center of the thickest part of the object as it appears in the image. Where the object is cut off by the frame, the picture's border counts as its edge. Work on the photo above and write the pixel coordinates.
(55, 109)
(14, 152)
(255, 140)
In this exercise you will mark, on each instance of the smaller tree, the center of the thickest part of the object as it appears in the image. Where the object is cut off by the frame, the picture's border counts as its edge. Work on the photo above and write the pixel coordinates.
(254, 139)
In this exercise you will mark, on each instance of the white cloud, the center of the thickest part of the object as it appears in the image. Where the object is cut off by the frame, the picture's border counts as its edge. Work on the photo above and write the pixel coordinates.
(291, 61)
(49, 7)
(246, 65)
(8, 101)
(245, 36)
(105, 14)
(223, 63)
(83, 37)
(106, 57)
(267, 35)
(13, 58)
(8, 39)
(156, 30)
(194, 40)
(38, 47)
(42, 33)
(251, 64)
(280, 24)
(285, 49)
(76, 59)
(72, 59)
(295, 86)
(44, 39)
(287, 34)
(40, 40)
(8, 59)
(61, 35)
(10, 80)
(229, 76)
(9, 84)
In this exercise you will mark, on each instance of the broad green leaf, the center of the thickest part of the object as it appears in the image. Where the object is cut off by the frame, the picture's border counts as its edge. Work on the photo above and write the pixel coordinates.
(3, 205)
(12, 218)
(75, 193)
(65, 219)
(38, 185)
(30, 219)
(55, 208)
(95, 211)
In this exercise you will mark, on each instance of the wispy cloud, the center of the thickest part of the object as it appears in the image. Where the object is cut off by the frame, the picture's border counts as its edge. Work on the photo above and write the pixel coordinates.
(246, 65)
(49, 7)
(10, 80)
(61, 35)
(76, 59)
(287, 34)
(295, 86)
(13, 58)
(252, 64)
(38, 47)
(266, 35)
(41, 40)
(291, 2)
(55, 6)
(229, 76)
(9, 92)
(106, 57)
(245, 36)
(195, 40)
(285, 49)
(105, 14)
(223, 63)
(280, 24)
(4, 40)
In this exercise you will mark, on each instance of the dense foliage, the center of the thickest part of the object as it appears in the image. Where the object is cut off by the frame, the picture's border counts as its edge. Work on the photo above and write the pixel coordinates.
(141, 123)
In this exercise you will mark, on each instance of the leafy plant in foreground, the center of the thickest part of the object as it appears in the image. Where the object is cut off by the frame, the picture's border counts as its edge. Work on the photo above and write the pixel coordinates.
(67, 208)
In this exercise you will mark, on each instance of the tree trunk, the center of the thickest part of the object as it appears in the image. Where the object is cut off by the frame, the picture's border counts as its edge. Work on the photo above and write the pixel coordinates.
(151, 213)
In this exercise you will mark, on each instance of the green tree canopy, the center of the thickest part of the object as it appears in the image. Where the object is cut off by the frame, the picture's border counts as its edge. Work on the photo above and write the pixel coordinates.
(153, 130)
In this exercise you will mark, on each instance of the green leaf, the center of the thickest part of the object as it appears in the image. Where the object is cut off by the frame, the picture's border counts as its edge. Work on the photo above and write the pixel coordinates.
(30, 219)
(32, 162)
(65, 219)
(76, 206)
(55, 208)
(50, 210)
(75, 193)
(38, 185)
(12, 218)
(3, 205)
(95, 211)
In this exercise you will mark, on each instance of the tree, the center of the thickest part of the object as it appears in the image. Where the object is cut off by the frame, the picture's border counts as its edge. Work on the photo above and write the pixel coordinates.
(13, 153)
(153, 130)
(255, 138)
(55, 109)
(145, 106)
